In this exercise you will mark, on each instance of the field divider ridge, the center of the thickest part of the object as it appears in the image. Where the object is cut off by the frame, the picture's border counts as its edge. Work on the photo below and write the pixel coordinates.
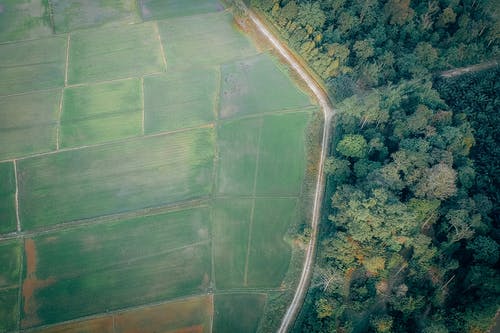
(125, 140)
(143, 102)
(149, 211)
(252, 210)
(20, 291)
(58, 126)
(68, 41)
(16, 198)
(158, 36)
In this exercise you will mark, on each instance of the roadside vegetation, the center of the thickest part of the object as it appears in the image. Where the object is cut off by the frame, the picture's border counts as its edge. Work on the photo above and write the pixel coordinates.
(410, 241)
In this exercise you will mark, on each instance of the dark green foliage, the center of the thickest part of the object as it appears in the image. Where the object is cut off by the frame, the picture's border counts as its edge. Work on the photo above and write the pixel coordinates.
(378, 42)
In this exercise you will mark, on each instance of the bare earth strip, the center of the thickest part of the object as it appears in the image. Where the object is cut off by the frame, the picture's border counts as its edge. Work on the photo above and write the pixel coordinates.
(328, 112)
(470, 69)
(18, 224)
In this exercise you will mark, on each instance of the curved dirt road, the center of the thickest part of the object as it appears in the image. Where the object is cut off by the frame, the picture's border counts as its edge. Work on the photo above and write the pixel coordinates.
(328, 112)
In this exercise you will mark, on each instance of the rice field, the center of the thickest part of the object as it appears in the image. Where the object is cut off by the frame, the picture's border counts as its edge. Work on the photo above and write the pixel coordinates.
(149, 172)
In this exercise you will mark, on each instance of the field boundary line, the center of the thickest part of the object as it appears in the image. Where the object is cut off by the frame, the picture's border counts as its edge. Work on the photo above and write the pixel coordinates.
(16, 197)
(29, 92)
(59, 116)
(113, 319)
(306, 109)
(92, 83)
(125, 140)
(252, 209)
(68, 41)
(144, 212)
(212, 313)
(20, 291)
(143, 103)
(158, 36)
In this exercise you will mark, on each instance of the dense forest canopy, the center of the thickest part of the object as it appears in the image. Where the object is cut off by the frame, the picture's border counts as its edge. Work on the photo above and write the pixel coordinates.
(411, 243)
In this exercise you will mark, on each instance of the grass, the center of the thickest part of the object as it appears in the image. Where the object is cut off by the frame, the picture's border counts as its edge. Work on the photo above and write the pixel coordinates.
(113, 178)
(190, 315)
(119, 264)
(114, 53)
(23, 19)
(32, 65)
(282, 154)
(231, 227)
(161, 9)
(76, 14)
(238, 145)
(238, 312)
(28, 123)
(203, 40)
(10, 263)
(269, 254)
(179, 100)
(98, 325)
(249, 87)
(101, 112)
(8, 218)
(9, 305)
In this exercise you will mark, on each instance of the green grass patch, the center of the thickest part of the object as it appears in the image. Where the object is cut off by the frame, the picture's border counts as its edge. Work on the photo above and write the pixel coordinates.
(9, 308)
(191, 315)
(117, 177)
(32, 65)
(160, 9)
(101, 112)
(118, 264)
(10, 262)
(238, 145)
(76, 14)
(114, 53)
(269, 254)
(283, 157)
(251, 86)
(23, 19)
(238, 312)
(8, 218)
(203, 40)
(231, 226)
(28, 123)
(179, 100)
(98, 325)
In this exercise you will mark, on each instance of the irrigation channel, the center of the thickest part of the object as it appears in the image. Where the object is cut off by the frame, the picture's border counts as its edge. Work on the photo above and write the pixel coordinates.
(328, 112)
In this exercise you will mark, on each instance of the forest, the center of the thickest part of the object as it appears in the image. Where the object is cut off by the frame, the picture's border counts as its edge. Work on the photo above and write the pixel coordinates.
(410, 241)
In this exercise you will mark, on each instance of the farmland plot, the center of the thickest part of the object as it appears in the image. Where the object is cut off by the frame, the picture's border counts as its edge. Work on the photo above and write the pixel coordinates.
(76, 14)
(113, 178)
(10, 263)
(116, 264)
(101, 112)
(249, 87)
(179, 100)
(238, 312)
(28, 122)
(23, 19)
(203, 40)
(7, 198)
(32, 65)
(161, 9)
(114, 53)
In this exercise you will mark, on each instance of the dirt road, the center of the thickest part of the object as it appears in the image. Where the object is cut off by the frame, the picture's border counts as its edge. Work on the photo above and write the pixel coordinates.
(328, 112)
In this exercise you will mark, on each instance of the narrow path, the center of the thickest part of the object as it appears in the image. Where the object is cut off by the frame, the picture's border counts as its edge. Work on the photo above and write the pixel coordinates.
(469, 69)
(328, 112)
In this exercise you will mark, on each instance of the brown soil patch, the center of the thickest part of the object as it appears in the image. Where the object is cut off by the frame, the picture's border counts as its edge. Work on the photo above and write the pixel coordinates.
(30, 284)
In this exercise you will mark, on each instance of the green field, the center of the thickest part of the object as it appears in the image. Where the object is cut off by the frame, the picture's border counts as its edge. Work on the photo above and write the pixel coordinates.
(179, 100)
(7, 198)
(160, 9)
(238, 312)
(148, 258)
(101, 112)
(32, 65)
(159, 159)
(28, 123)
(249, 87)
(114, 53)
(187, 45)
(113, 178)
(74, 14)
(23, 19)
(10, 263)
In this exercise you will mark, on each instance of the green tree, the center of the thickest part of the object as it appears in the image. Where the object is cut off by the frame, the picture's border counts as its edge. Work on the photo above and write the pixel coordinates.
(353, 145)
